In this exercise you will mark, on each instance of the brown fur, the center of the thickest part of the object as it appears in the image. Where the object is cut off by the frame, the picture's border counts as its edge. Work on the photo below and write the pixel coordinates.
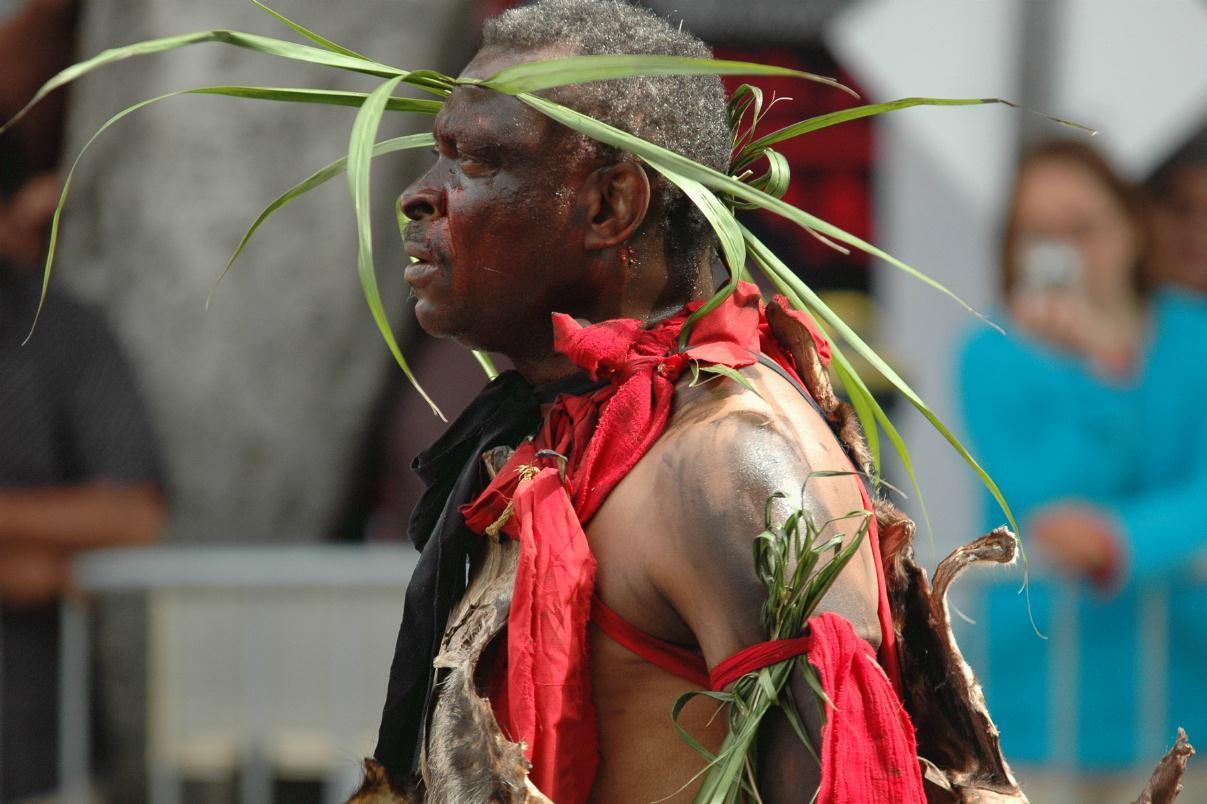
(1166, 781)
(798, 342)
(379, 788)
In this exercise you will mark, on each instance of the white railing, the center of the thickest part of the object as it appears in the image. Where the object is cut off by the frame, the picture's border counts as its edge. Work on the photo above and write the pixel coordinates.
(273, 660)
(1156, 729)
(262, 661)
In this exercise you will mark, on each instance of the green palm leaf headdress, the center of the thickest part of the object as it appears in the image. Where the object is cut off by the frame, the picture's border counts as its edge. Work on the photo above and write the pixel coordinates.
(715, 193)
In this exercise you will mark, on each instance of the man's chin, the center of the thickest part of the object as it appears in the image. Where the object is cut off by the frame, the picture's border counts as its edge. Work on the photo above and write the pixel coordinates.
(440, 322)
(432, 319)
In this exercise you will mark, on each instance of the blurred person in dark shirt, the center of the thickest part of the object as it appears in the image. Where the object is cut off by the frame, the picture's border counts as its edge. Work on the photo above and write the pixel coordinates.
(78, 470)
(78, 466)
(1179, 216)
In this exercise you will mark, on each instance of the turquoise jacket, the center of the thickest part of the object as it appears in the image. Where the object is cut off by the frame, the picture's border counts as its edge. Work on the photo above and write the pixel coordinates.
(1121, 670)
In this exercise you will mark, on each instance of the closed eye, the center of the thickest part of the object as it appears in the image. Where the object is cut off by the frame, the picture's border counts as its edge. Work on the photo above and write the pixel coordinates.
(475, 165)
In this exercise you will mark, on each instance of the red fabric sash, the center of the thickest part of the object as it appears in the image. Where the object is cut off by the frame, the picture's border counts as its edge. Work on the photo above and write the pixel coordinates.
(554, 483)
(868, 751)
(867, 740)
(756, 657)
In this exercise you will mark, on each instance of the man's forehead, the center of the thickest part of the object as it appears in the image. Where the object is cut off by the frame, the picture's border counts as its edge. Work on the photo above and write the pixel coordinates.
(475, 109)
(489, 60)
(473, 115)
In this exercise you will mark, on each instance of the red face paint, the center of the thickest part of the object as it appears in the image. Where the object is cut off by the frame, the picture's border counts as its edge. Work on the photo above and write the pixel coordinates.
(495, 222)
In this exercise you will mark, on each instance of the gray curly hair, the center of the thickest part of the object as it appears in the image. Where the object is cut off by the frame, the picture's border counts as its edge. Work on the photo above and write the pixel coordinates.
(686, 114)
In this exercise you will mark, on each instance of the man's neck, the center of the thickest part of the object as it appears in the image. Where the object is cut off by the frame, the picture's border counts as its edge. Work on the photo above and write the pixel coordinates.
(543, 369)
(644, 304)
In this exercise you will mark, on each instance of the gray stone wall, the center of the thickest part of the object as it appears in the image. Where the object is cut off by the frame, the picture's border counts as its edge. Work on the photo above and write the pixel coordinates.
(260, 402)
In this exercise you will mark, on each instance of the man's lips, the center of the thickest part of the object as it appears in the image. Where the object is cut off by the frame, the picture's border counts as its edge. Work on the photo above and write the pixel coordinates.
(416, 250)
(418, 274)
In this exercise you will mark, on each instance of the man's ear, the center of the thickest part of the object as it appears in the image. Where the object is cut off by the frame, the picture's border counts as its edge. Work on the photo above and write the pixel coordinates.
(618, 200)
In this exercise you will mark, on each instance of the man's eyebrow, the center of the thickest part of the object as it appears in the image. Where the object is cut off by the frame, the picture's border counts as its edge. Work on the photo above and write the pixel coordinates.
(439, 129)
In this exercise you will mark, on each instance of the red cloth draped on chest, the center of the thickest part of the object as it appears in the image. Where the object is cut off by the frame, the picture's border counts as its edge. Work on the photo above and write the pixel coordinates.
(552, 486)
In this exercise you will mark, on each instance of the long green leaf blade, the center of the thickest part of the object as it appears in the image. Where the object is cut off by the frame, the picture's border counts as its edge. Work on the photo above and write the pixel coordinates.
(859, 112)
(488, 365)
(58, 210)
(260, 44)
(861, 397)
(873, 416)
(868, 353)
(252, 93)
(360, 156)
(714, 180)
(728, 234)
(317, 179)
(318, 39)
(862, 400)
(537, 75)
(326, 97)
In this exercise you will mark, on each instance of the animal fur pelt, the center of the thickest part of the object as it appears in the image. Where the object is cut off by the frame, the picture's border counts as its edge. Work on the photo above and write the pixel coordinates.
(1166, 781)
(465, 756)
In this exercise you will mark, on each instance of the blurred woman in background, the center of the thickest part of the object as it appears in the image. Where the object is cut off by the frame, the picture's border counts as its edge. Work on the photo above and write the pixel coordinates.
(1091, 415)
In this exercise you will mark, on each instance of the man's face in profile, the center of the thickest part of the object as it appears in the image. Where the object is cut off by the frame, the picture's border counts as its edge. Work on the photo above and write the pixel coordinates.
(495, 223)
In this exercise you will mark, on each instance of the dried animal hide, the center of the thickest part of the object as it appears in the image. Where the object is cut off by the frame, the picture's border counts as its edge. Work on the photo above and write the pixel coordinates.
(961, 757)
(1166, 781)
(466, 757)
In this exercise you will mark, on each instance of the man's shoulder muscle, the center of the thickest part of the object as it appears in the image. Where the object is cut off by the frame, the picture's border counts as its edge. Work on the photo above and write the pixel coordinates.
(693, 504)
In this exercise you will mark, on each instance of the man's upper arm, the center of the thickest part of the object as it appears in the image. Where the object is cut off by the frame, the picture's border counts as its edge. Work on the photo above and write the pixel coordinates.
(716, 476)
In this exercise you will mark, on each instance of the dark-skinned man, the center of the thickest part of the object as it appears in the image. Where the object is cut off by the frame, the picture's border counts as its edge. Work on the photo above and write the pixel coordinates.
(520, 219)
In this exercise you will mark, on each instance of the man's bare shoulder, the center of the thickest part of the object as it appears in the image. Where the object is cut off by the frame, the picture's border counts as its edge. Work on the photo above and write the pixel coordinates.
(758, 435)
(765, 401)
(703, 490)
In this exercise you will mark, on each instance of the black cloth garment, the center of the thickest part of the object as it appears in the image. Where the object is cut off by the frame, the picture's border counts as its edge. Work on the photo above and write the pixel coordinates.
(506, 411)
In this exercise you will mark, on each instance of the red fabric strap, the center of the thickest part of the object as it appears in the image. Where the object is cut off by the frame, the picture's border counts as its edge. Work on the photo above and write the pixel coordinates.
(756, 657)
(674, 659)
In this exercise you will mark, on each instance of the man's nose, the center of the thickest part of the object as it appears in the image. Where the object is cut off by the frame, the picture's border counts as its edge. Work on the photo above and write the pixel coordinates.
(421, 201)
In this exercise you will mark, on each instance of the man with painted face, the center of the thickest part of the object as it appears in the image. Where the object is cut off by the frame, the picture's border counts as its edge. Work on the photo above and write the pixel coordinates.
(521, 232)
